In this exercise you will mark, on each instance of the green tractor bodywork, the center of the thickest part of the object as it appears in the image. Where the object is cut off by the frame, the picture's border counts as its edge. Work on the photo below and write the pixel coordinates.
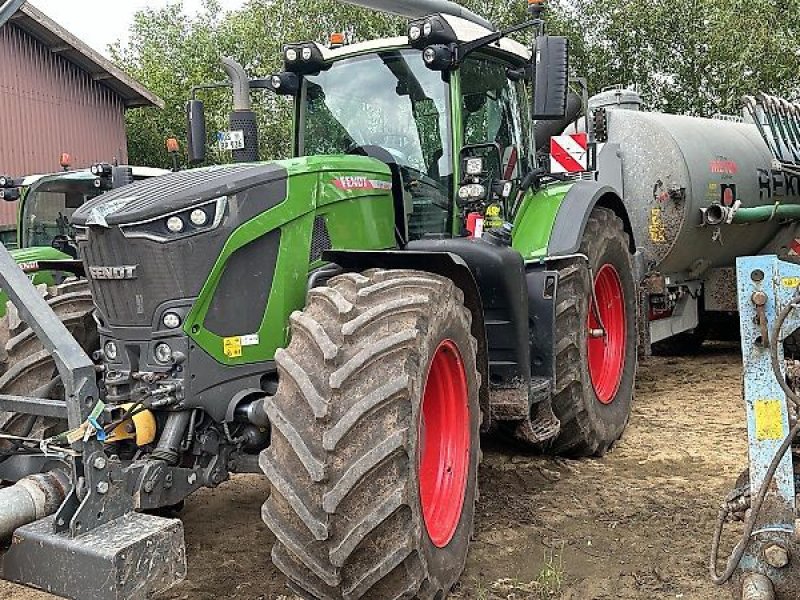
(347, 321)
(319, 213)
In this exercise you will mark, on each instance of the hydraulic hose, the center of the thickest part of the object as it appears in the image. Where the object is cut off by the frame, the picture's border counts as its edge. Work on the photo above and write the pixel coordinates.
(755, 507)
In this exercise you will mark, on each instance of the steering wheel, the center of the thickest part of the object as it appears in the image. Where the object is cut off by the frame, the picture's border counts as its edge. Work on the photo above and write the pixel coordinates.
(417, 178)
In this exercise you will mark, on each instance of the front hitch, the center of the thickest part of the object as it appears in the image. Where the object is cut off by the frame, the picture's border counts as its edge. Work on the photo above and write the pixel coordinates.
(95, 546)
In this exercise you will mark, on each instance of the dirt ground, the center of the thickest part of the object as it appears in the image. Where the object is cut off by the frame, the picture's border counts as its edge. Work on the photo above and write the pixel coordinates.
(633, 525)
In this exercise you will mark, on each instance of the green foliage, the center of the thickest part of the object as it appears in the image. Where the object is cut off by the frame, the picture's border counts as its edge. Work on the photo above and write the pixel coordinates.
(685, 56)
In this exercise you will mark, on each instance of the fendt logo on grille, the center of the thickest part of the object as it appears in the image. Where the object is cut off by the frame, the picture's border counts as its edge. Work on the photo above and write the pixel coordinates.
(117, 273)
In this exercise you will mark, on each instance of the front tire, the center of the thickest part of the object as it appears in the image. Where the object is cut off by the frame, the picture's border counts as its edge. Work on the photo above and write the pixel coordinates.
(375, 443)
(595, 374)
(28, 368)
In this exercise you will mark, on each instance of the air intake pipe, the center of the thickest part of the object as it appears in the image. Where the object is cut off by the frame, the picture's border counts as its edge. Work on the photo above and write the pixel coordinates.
(242, 118)
(547, 129)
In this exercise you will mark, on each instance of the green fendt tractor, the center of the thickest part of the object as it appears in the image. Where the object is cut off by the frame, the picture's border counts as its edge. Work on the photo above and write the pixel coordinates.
(348, 322)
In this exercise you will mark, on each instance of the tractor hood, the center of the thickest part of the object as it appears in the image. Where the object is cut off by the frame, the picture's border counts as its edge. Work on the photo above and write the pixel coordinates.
(155, 243)
(175, 192)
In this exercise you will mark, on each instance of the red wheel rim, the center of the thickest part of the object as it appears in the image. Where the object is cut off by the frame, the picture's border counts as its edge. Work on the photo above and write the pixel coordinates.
(444, 438)
(607, 352)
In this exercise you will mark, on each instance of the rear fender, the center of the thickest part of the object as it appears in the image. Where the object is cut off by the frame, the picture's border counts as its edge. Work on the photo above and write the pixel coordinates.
(572, 216)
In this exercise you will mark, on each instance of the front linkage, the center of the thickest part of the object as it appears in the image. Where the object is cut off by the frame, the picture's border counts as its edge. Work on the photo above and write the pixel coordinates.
(84, 558)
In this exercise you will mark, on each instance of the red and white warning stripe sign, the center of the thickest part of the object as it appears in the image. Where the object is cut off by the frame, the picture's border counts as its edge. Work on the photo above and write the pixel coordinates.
(569, 153)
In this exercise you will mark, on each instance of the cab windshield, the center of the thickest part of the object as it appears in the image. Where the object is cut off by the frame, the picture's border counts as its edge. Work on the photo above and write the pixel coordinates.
(48, 209)
(393, 101)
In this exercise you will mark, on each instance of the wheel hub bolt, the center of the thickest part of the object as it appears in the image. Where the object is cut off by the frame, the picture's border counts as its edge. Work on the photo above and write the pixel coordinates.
(100, 463)
(776, 556)
(102, 488)
(596, 333)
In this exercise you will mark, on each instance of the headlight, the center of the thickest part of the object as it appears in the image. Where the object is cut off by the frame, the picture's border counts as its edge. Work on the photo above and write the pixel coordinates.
(198, 217)
(474, 191)
(291, 55)
(427, 29)
(110, 350)
(178, 225)
(474, 166)
(175, 224)
(307, 53)
(414, 33)
(171, 321)
(163, 353)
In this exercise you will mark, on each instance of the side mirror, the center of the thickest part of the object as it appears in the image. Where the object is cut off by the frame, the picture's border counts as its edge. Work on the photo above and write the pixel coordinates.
(10, 194)
(552, 78)
(196, 131)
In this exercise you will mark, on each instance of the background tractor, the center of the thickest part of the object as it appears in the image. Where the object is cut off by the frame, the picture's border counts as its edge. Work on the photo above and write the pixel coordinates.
(349, 321)
(45, 242)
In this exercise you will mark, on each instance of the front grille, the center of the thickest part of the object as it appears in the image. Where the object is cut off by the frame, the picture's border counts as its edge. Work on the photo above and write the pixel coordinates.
(320, 240)
(164, 272)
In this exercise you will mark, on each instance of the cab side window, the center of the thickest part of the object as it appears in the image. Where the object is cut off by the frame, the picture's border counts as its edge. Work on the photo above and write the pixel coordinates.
(495, 111)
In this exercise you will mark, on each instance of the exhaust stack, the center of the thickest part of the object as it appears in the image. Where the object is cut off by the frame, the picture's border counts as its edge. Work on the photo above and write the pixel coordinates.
(242, 118)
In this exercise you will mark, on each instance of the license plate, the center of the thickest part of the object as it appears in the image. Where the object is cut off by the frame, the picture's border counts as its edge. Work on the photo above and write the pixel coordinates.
(230, 140)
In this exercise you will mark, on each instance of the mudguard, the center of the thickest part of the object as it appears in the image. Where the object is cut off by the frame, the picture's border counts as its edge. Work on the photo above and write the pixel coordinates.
(573, 214)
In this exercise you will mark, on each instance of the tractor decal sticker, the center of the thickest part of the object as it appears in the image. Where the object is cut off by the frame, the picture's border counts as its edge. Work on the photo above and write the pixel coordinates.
(232, 346)
(569, 153)
(724, 166)
(658, 233)
(350, 183)
(29, 267)
(769, 420)
(790, 282)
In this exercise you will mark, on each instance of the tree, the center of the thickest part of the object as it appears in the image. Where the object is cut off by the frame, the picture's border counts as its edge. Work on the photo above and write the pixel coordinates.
(686, 56)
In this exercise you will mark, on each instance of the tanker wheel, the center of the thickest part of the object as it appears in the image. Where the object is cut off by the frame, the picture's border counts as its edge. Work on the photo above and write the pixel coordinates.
(595, 373)
(375, 440)
(29, 370)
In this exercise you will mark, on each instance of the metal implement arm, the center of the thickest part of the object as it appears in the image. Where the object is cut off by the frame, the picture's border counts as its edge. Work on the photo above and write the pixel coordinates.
(74, 365)
(414, 9)
(8, 8)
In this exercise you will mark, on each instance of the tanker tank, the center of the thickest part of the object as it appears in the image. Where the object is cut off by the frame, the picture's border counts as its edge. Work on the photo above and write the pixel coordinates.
(674, 167)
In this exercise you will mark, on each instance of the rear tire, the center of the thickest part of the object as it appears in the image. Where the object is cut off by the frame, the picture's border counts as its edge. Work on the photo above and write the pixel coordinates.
(353, 513)
(594, 406)
(29, 370)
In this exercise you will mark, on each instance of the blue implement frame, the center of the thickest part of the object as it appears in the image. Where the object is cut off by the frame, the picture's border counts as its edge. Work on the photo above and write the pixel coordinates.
(765, 286)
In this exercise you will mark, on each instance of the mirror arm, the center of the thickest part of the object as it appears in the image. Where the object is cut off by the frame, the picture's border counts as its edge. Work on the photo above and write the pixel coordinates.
(464, 49)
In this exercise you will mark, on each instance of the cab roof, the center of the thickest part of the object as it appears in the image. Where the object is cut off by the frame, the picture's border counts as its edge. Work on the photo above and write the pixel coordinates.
(467, 31)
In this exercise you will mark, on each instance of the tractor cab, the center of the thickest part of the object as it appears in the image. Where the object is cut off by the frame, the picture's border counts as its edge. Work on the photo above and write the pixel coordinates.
(48, 202)
(448, 108)
(423, 123)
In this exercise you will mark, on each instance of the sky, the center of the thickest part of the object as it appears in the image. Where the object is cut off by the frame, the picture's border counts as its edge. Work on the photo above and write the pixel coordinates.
(102, 22)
